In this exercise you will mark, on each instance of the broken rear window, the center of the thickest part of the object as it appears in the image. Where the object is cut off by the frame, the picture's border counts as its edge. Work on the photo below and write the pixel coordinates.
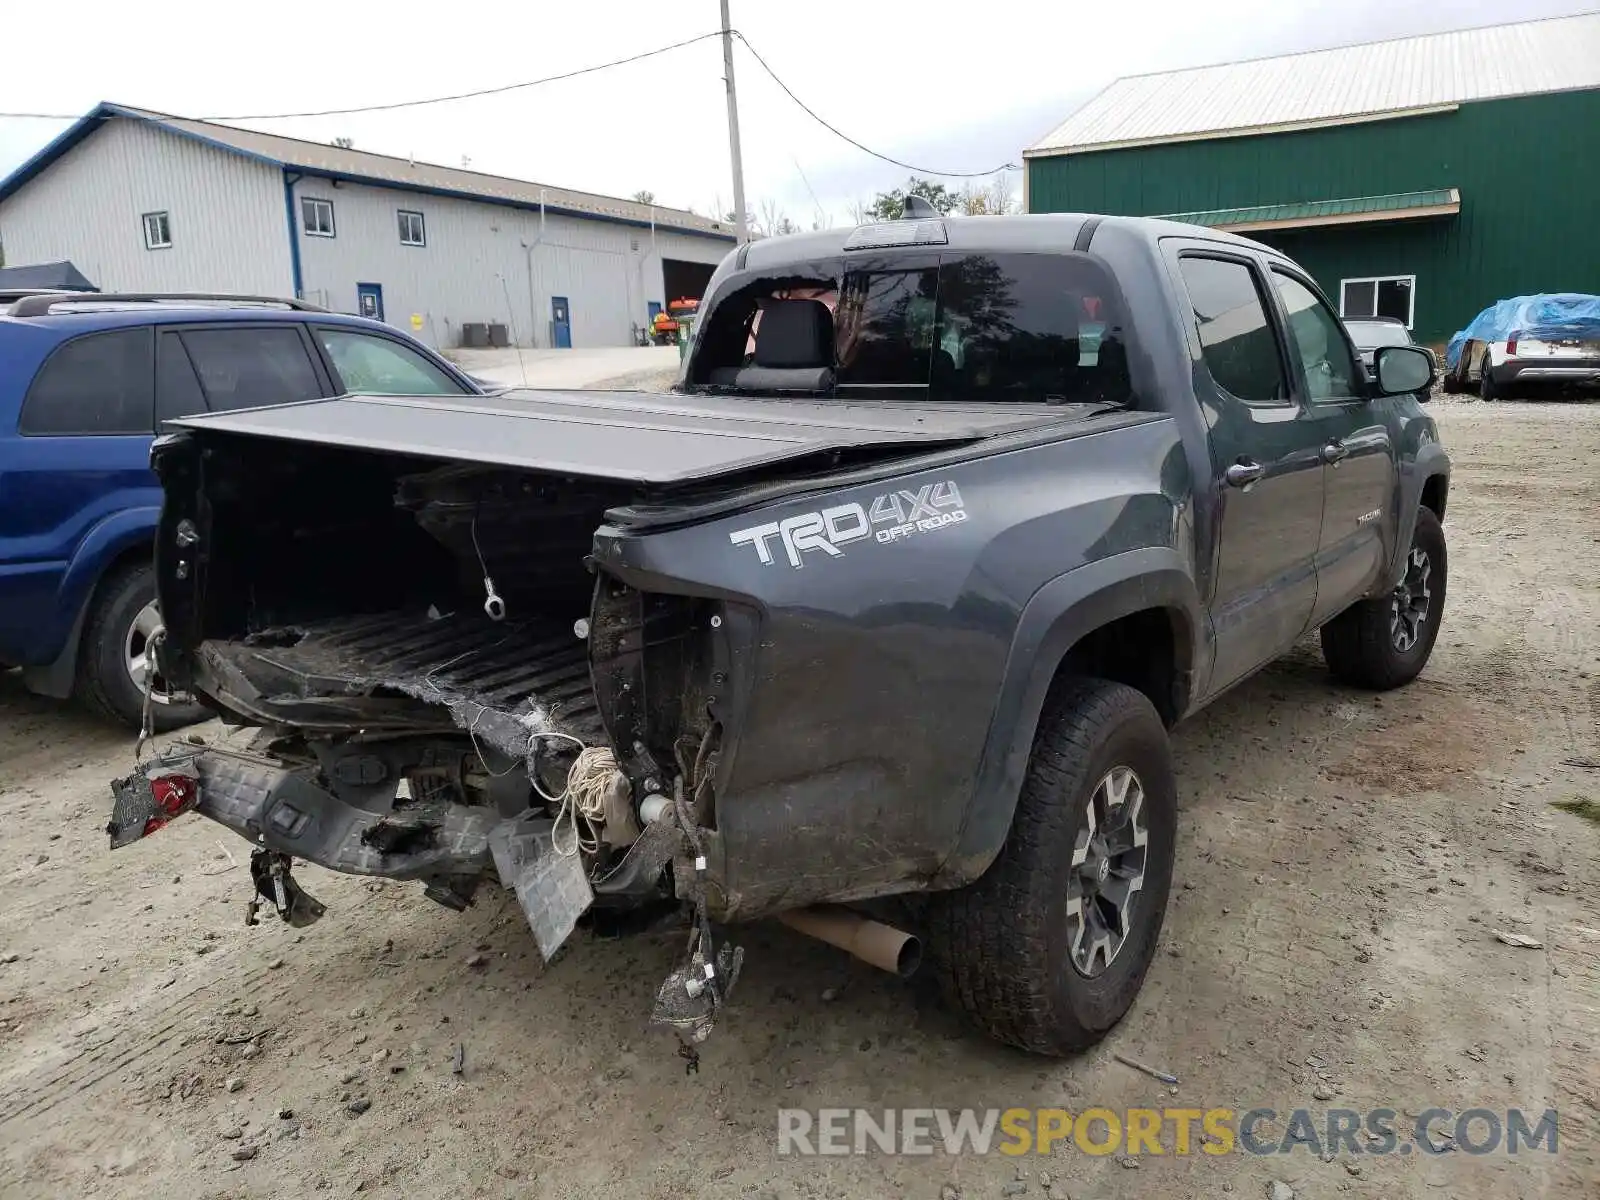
(1035, 328)
(1040, 328)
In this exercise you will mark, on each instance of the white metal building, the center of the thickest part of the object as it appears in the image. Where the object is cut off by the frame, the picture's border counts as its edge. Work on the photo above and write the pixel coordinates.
(145, 202)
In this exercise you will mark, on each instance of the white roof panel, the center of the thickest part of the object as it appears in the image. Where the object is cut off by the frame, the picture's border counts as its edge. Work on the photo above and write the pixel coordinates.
(1347, 83)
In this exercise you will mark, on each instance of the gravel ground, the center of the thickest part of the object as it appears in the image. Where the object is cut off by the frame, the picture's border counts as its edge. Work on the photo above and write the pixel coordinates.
(1343, 862)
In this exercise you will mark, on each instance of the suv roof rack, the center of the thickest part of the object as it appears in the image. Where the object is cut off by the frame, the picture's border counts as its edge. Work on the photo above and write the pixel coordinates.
(41, 305)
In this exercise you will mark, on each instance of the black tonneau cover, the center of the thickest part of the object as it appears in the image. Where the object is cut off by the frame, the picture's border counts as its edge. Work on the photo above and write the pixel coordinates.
(642, 437)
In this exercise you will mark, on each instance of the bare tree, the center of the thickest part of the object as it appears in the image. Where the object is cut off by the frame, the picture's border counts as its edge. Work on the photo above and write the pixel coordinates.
(344, 143)
(644, 197)
(860, 211)
(773, 221)
(972, 201)
(1002, 194)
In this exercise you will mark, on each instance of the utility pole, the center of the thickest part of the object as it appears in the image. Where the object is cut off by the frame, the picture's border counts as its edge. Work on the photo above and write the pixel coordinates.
(742, 227)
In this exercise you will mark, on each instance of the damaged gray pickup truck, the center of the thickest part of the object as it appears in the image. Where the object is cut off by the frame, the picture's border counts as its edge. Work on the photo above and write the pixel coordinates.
(895, 594)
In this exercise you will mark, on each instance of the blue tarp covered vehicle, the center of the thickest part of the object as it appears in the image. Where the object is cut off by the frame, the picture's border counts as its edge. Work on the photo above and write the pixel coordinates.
(1549, 317)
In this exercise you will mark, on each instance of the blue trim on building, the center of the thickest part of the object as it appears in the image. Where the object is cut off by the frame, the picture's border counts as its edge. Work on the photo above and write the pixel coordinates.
(294, 233)
(92, 121)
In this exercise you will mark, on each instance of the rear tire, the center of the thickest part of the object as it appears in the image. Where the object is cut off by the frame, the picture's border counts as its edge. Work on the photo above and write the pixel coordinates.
(105, 684)
(1449, 382)
(1385, 642)
(1487, 390)
(1009, 943)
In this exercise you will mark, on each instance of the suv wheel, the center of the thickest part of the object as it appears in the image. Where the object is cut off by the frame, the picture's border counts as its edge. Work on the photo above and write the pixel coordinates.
(1049, 948)
(1385, 642)
(111, 660)
(1486, 386)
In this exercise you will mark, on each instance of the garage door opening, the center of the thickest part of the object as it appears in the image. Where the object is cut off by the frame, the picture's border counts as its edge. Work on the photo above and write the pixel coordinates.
(685, 280)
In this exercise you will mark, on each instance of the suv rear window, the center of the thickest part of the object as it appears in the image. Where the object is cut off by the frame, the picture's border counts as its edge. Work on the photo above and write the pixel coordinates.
(101, 383)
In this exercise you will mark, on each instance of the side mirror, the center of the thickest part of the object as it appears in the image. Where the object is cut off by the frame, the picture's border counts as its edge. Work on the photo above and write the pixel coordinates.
(1401, 369)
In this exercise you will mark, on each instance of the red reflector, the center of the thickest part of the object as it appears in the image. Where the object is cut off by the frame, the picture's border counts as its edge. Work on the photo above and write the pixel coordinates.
(1511, 344)
(172, 793)
(153, 824)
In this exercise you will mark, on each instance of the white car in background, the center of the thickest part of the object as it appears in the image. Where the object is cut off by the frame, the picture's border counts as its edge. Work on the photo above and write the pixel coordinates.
(1517, 364)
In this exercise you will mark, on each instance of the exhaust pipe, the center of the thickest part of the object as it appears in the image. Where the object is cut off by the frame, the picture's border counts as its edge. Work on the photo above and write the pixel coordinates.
(883, 946)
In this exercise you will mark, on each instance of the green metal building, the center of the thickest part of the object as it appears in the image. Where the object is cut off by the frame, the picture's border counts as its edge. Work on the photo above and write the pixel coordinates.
(1423, 178)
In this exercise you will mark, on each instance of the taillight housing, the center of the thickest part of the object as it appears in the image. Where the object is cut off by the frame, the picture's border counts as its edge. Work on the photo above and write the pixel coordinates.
(1511, 343)
(153, 795)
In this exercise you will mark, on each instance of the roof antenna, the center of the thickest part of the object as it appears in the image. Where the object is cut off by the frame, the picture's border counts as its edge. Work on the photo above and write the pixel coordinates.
(918, 209)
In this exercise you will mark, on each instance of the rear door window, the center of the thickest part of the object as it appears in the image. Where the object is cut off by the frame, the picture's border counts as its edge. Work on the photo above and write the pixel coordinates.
(101, 383)
(178, 391)
(366, 362)
(251, 366)
(1236, 338)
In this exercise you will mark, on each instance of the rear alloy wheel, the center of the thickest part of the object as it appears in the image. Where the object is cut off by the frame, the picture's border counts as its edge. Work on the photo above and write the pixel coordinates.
(1048, 949)
(112, 664)
(1385, 642)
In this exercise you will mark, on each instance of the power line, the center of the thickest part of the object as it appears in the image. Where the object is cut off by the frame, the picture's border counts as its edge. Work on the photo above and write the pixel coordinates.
(398, 104)
(837, 132)
(589, 70)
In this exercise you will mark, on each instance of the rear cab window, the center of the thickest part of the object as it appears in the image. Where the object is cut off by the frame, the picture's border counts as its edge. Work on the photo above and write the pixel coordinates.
(1047, 328)
(96, 384)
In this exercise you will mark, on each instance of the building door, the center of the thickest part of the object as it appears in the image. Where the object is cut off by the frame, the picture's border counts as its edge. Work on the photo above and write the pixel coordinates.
(369, 300)
(560, 323)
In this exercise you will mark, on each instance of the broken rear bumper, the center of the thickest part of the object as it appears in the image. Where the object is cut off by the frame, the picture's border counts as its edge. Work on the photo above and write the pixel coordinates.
(283, 810)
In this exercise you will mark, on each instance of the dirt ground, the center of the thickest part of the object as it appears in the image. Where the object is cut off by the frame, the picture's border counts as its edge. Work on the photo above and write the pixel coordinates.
(1343, 862)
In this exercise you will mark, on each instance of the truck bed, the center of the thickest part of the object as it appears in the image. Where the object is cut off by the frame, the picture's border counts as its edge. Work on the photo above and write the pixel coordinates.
(413, 671)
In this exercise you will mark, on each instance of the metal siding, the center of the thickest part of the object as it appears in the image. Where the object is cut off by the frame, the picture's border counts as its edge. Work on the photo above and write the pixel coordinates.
(381, 169)
(1527, 197)
(475, 265)
(225, 212)
(1456, 67)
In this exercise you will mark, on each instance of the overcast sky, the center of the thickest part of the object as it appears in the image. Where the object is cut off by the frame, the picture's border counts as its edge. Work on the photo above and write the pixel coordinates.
(944, 86)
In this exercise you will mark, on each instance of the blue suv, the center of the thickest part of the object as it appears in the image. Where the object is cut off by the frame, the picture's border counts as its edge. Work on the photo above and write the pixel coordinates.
(85, 382)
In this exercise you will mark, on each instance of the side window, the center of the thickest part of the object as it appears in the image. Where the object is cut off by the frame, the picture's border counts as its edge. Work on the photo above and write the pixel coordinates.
(251, 367)
(1317, 343)
(177, 387)
(102, 383)
(377, 364)
(1236, 338)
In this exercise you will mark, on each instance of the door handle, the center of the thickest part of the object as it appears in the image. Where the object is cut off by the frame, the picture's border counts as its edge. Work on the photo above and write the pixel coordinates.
(1243, 473)
(1335, 452)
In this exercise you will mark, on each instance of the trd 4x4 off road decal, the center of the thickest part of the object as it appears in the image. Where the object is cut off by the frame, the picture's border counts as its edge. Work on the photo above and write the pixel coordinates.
(891, 517)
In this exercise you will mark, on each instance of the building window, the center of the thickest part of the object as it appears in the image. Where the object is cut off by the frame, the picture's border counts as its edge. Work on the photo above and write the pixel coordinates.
(411, 231)
(157, 231)
(317, 216)
(1381, 296)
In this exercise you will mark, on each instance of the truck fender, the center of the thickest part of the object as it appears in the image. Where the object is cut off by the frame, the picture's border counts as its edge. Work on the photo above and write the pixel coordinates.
(105, 542)
(1058, 616)
(1432, 462)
